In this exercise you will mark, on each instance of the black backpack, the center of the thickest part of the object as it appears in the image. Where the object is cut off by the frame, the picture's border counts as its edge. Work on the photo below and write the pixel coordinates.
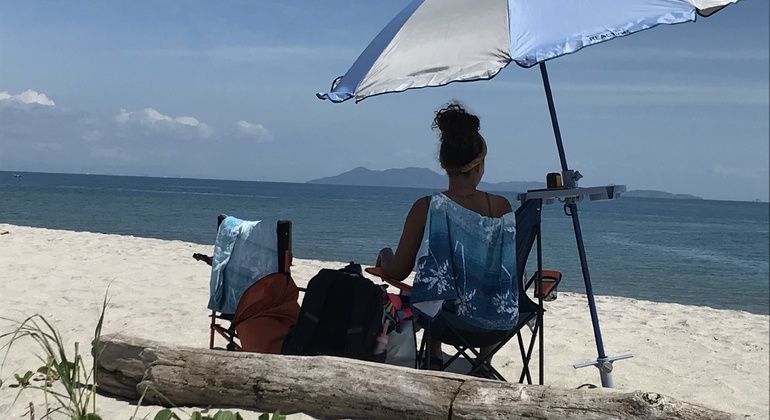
(341, 315)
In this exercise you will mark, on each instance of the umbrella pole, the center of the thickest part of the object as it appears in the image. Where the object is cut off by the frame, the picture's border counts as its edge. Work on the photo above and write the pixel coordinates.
(554, 120)
(602, 362)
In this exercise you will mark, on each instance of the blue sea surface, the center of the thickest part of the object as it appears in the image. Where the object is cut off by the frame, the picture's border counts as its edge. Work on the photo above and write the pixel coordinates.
(696, 252)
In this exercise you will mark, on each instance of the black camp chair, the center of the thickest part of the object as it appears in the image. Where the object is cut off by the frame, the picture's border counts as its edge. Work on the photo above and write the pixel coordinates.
(531, 313)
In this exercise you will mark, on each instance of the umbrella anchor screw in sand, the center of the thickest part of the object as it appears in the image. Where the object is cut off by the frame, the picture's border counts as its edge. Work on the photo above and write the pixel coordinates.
(605, 367)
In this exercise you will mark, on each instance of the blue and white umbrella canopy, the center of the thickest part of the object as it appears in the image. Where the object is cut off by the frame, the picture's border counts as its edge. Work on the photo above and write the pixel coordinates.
(436, 42)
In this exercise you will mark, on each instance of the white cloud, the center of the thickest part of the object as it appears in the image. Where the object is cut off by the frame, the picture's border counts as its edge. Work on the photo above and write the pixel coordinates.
(255, 131)
(153, 119)
(29, 96)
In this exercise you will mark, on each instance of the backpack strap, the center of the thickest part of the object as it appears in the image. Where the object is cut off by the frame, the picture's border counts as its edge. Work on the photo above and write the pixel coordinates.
(318, 291)
(361, 322)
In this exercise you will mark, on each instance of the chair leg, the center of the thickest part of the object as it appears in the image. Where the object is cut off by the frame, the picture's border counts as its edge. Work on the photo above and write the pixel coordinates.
(417, 352)
(479, 361)
(464, 349)
(526, 355)
(425, 354)
(228, 334)
(487, 359)
(211, 329)
(231, 344)
(426, 339)
(419, 360)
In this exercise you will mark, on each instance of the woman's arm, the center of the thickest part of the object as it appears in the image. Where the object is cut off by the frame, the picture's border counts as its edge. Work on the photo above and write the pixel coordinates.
(398, 266)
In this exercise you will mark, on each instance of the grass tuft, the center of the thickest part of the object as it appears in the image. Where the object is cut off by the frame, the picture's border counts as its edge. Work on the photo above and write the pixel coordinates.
(77, 397)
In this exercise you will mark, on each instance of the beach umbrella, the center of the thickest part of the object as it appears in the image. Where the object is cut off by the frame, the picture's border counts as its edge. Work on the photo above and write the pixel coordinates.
(437, 42)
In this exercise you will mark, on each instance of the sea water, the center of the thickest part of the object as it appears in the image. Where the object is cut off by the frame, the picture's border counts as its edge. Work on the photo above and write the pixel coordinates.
(696, 252)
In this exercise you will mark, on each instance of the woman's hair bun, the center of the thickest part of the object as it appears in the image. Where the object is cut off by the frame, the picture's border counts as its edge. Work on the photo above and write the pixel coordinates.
(455, 123)
(462, 146)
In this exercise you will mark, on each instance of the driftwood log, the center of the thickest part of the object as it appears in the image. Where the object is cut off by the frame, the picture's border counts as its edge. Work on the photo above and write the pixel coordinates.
(331, 387)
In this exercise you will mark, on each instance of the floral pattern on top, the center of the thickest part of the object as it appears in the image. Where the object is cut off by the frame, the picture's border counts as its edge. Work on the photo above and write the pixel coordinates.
(467, 264)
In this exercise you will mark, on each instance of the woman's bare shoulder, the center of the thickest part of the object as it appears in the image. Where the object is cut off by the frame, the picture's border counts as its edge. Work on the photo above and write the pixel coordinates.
(422, 202)
(500, 205)
(420, 206)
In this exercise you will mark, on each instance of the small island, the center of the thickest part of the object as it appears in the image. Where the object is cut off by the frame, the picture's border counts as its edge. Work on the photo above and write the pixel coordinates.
(660, 194)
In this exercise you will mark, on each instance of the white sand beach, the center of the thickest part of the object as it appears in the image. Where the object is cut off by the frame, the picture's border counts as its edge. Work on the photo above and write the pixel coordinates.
(715, 358)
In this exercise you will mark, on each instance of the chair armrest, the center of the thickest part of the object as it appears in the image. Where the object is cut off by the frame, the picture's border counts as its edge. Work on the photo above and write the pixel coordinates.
(551, 279)
(377, 271)
(205, 258)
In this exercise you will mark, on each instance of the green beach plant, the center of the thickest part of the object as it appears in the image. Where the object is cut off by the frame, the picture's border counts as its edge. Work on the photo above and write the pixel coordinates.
(77, 399)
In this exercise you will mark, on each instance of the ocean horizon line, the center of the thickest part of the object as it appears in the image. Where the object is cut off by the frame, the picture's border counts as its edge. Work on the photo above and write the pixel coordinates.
(196, 178)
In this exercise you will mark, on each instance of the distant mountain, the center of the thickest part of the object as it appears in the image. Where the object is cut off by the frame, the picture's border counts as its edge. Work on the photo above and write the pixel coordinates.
(405, 177)
(414, 178)
(512, 186)
(426, 178)
(659, 194)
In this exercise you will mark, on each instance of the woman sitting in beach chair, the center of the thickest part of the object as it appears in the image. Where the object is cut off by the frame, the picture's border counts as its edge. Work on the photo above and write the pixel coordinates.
(463, 241)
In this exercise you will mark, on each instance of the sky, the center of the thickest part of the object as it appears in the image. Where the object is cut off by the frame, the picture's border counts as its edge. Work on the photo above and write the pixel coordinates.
(226, 90)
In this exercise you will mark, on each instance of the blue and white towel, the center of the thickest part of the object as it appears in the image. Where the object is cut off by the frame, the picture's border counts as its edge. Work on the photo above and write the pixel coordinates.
(467, 261)
(244, 252)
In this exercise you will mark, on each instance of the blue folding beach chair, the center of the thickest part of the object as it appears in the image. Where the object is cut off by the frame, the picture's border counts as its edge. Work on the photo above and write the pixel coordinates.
(466, 343)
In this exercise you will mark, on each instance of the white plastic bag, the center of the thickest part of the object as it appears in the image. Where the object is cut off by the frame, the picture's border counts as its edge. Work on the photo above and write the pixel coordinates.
(402, 347)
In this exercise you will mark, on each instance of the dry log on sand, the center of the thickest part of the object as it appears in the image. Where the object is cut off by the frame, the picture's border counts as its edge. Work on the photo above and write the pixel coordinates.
(332, 387)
